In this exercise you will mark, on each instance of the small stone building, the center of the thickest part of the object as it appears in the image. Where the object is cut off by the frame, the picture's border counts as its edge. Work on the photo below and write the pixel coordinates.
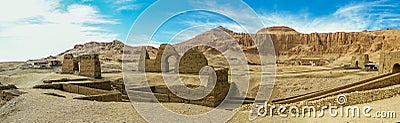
(85, 65)
(359, 61)
(389, 62)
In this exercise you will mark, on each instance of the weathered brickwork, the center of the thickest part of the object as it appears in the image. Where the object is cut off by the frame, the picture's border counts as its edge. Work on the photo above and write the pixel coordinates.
(85, 65)
(389, 62)
(359, 61)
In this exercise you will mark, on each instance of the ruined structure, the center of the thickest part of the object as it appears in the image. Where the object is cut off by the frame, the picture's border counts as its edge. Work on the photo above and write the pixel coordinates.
(359, 61)
(308, 61)
(192, 62)
(389, 62)
(85, 65)
(90, 89)
(164, 94)
(167, 58)
(43, 63)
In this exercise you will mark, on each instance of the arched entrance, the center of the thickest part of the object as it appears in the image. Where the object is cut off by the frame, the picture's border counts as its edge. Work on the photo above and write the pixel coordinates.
(357, 64)
(172, 63)
(396, 68)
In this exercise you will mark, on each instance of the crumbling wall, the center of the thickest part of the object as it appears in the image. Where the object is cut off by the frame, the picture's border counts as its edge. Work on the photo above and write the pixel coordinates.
(359, 61)
(90, 65)
(68, 64)
(88, 92)
(161, 63)
(192, 62)
(164, 94)
(388, 61)
(85, 65)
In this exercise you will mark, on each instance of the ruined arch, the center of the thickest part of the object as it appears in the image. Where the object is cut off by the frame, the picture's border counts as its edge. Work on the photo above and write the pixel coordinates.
(357, 64)
(161, 63)
(396, 68)
(165, 52)
(358, 61)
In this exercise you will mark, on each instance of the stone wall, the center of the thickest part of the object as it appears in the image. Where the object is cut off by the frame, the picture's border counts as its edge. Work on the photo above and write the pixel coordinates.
(161, 62)
(85, 65)
(88, 92)
(90, 66)
(68, 64)
(388, 62)
(192, 62)
(359, 61)
(163, 93)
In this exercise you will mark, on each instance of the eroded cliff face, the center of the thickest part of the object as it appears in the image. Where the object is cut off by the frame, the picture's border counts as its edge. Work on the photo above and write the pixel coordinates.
(290, 43)
(338, 43)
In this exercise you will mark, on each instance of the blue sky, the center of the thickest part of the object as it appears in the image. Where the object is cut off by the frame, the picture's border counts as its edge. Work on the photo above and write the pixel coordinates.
(38, 28)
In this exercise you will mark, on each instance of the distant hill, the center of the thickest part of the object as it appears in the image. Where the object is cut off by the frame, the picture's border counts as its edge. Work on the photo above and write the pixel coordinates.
(288, 43)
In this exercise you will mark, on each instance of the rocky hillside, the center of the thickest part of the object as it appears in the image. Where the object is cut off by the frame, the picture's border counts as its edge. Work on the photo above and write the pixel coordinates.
(289, 43)
(110, 53)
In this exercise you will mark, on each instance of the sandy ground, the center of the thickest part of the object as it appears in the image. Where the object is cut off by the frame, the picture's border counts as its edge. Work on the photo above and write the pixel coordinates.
(35, 106)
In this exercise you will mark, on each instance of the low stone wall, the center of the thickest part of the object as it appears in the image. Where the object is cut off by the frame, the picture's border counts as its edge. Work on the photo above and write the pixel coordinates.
(82, 90)
(109, 97)
(163, 94)
(7, 87)
(104, 85)
(90, 93)
(64, 80)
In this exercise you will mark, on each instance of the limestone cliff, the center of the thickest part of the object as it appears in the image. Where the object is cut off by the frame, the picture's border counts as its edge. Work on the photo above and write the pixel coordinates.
(289, 43)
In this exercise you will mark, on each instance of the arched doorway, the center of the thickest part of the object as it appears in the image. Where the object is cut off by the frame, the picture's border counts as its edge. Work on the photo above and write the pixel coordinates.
(396, 68)
(172, 63)
(357, 64)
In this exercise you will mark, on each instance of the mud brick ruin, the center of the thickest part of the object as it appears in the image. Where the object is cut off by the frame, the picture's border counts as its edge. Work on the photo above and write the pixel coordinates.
(90, 89)
(85, 65)
(161, 63)
(164, 94)
(359, 61)
(389, 62)
(191, 62)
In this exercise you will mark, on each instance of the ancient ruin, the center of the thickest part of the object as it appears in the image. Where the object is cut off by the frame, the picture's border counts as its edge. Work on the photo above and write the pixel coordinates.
(43, 63)
(389, 62)
(167, 58)
(85, 65)
(164, 94)
(192, 62)
(89, 89)
(359, 61)
(312, 61)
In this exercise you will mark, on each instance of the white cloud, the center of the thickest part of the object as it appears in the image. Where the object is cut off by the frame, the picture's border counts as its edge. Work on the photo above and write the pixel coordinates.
(349, 18)
(125, 5)
(353, 17)
(129, 7)
(38, 28)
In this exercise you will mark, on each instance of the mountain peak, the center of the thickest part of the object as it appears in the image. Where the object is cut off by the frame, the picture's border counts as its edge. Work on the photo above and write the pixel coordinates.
(277, 30)
(224, 29)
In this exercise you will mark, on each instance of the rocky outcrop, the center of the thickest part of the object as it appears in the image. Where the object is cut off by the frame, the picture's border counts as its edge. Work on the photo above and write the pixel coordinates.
(289, 43)
(277, 30)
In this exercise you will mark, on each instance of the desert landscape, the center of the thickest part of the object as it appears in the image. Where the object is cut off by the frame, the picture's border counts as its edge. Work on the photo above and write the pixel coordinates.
(88, 82)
